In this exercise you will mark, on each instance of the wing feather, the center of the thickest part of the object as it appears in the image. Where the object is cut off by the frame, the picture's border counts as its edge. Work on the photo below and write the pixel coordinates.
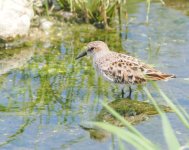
(124, 69)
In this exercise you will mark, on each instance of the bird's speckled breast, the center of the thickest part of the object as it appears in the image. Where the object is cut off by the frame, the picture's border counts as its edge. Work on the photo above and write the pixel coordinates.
(102, 63)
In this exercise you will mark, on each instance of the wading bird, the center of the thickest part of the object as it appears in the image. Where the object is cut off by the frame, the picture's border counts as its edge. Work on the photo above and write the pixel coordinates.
(121, 68)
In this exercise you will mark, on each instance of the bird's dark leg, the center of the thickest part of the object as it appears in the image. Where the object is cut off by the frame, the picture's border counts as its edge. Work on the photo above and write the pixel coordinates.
(130, 91)
(122, 93)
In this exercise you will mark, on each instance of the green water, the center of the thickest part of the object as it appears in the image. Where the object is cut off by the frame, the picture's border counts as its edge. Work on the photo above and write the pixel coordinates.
(46, 93)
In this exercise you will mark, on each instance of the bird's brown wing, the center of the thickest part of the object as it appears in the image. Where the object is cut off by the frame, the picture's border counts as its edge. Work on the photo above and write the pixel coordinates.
(127, 69)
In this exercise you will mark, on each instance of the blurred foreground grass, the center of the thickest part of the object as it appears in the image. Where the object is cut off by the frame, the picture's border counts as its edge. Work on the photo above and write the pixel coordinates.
(132, 136)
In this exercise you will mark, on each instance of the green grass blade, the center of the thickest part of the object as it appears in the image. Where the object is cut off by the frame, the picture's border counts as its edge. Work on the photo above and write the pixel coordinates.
(183, 112)
(175, 109)
(127, 124)
(169, 135)
(126, 136)
(47, 7)
(148, 10)
(162, 2)
(121, 146)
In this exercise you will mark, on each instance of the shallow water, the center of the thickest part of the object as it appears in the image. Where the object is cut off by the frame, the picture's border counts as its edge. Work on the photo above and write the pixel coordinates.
(46, 94)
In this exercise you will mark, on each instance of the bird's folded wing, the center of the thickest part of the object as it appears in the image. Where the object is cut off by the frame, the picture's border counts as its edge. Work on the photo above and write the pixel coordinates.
(124, 71)
(127, 69)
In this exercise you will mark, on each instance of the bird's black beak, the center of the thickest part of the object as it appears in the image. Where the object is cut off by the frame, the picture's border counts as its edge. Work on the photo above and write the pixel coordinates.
(84, 53)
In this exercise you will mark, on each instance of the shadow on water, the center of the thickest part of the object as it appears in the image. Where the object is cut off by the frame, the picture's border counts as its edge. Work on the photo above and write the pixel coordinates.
(45, 93)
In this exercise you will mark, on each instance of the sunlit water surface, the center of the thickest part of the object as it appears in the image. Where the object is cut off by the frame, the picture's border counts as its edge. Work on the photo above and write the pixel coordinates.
(48, 94)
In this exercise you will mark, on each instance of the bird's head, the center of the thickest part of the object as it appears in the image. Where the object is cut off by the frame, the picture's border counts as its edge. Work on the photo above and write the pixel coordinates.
(94, 48)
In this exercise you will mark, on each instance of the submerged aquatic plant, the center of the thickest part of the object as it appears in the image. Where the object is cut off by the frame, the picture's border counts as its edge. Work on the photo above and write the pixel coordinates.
(135, 138)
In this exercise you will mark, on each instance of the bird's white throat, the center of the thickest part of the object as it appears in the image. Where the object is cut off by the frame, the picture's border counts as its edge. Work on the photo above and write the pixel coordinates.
(100, 54)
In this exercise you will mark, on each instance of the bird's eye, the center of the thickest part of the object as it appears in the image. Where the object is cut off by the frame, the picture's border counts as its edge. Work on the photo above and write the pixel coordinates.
(91, 49)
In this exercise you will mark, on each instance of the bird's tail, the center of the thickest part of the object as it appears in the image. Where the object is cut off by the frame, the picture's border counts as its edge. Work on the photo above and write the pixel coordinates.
(159, 76)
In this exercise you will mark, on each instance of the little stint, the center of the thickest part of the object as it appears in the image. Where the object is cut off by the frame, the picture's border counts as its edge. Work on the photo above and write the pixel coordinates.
(121, 68)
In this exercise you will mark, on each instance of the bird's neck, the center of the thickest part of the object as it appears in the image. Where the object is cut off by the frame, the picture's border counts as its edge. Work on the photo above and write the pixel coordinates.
(101, 54)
